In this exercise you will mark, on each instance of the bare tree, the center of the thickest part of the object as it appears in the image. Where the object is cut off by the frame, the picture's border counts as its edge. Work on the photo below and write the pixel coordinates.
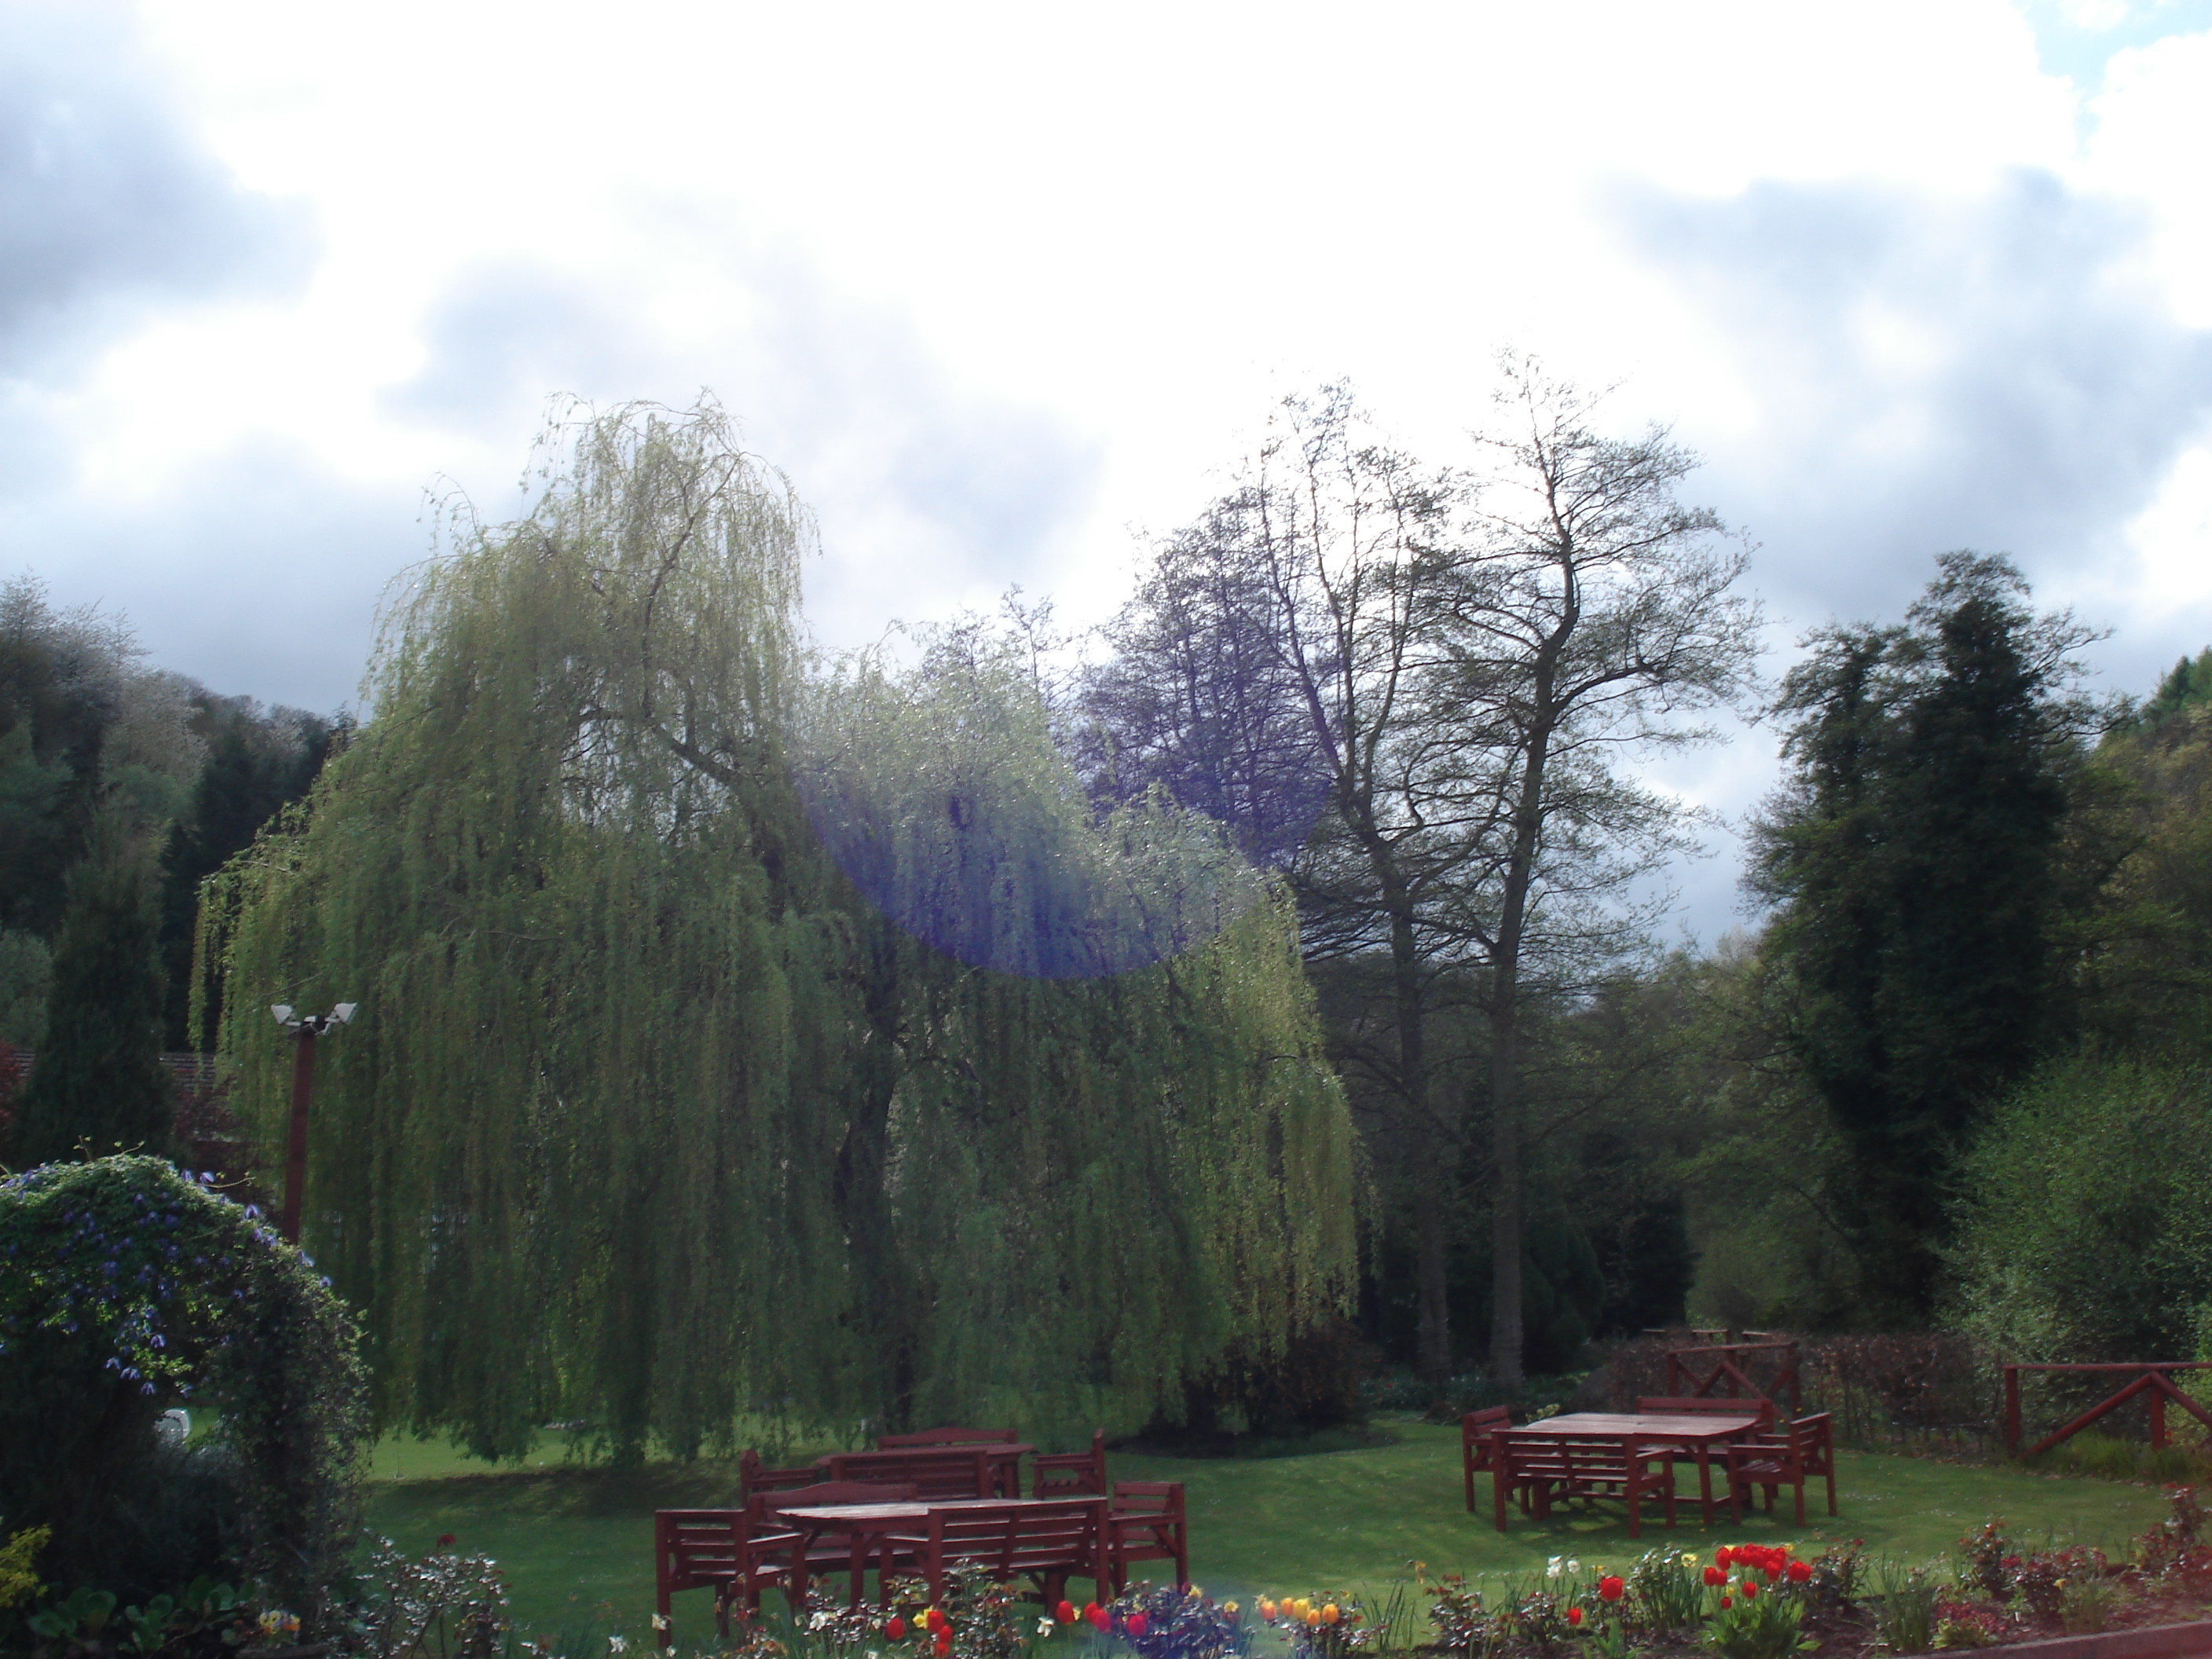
(1456, 667)
(1591, 618)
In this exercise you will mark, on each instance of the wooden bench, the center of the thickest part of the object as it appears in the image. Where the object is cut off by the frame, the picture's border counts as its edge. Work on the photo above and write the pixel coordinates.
(753, 1476)
(1043, 1541)
(765, 1510)
(1585, 1470)
(934, 1473)
(944, 1437)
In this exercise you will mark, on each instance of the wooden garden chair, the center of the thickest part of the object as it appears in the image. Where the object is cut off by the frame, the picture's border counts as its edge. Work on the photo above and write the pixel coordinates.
(1477, 1456)
(720, 1550)
(765, 1510)
(1771, 1460)
(1071, 1474)
(1147, 1523)
(1617, 1469)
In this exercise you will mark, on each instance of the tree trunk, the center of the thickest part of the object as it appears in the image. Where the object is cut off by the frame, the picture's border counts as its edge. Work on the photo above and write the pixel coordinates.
(1433, 1338)
(1505, 1183)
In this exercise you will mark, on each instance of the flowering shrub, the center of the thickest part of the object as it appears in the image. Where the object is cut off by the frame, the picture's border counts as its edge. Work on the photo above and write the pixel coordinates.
(126, 1287)
(978, 1617)
(1455, 1611)
(443, 1604)
(1758, 1601)
(1322, 1626)
(2171, 1549)
(1962, 1624)
(1173, 1624)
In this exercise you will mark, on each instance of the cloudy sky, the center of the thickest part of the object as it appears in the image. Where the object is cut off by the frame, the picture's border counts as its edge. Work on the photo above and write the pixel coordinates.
(1001, 287)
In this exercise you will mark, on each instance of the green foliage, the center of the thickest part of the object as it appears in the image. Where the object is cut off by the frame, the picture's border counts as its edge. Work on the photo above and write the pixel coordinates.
(656, 1116)
(2085, 1217)
(441, 1605)
(1915, 851)
(1905, 1606)
(26, 969)
(19, 1581)
(99, 1080)
(2187, 686)
(129, 1288)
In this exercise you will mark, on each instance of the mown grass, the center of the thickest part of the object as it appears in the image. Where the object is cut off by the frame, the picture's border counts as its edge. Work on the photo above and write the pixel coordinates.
(577, 1542)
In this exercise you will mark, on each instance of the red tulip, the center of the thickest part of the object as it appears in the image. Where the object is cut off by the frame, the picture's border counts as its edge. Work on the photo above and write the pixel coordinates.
(1610, 1588)
(895, 1628)
(1799, 1572)
(1715, 1576)
(1726, 1604)
(1099, 1618)
(935, 1621)
(1065, 1612)
(1137, 1623)
(1749, 1589)
(1574, 1616)
(943, 1644)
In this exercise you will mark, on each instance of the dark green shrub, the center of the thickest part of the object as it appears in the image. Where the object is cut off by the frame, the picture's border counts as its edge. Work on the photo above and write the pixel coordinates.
(127, 1288)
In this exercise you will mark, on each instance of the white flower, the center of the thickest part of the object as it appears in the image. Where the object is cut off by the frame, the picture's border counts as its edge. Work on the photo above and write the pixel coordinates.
(1045, 1627)
(1573, 1566)
(1554, 1566)
(820, 1621)
(617, 1644)
(661, 1621)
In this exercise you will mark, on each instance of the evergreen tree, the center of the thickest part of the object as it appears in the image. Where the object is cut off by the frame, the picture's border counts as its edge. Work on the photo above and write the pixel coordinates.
(1914, 853)
(97, 1079)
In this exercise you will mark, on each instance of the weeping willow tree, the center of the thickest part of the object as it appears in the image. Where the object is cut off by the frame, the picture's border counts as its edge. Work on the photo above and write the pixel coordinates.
(737, 1042)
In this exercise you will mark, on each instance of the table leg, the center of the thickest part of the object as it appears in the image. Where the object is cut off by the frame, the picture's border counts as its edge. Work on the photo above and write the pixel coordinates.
(1705, 1483)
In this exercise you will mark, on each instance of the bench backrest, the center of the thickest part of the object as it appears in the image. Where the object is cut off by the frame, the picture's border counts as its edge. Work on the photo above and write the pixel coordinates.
(933, 1472)
(1475, 1430)
(945, 1437)
(1014, 1538)
(753, 1476)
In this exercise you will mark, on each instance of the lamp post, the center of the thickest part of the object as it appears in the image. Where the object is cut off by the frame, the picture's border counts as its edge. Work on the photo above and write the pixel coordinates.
(304, 1030)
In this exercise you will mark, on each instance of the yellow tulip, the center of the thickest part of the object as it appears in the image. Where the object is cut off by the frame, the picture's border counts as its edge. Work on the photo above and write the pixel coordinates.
(1329, 1614)
(1304, 1606)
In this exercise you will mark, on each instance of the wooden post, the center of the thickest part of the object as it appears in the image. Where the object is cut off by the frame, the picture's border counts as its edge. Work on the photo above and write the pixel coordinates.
(2158, 1415)
(2012, 1409)
(295, 1162)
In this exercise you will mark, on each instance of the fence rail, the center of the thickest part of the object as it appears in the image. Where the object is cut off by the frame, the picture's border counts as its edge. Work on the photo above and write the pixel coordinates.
(2151, 1380)
(1685, 1375)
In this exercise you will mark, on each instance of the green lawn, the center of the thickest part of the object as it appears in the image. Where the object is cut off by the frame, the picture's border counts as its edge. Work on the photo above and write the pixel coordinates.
(574, 1540)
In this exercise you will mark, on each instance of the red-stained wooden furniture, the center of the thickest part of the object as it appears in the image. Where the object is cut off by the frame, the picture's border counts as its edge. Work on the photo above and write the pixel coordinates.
(1701, 1434)
(1584, 1468)
(753, 1476)
(1071, 1474)
(945, 1473)
(1046, 1539)
(720, 1550)
(796, 1558)
(947, 1436)
(1147, 1521)
(1783, 1457)
(1660, 1405)
(1476, 1454)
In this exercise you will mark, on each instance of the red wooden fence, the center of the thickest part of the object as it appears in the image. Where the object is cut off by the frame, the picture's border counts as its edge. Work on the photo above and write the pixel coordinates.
(1684, 1378)
(2150, 1379)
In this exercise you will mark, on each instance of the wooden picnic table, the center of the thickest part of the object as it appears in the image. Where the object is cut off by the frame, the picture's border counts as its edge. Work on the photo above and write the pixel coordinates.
(1695, 1434)
(866, 1525)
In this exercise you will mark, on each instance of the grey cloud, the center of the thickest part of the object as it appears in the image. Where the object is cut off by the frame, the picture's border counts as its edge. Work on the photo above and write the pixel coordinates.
(108, 201)
(923, 490)
(258, 573)
(1930, 374)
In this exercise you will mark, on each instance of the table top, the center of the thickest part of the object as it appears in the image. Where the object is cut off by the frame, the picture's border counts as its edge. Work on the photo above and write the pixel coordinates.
(830, 1513)
(1614, 1426)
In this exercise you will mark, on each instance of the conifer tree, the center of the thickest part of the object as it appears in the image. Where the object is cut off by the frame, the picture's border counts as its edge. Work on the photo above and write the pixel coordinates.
(98, 1080)
(1914, 853)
